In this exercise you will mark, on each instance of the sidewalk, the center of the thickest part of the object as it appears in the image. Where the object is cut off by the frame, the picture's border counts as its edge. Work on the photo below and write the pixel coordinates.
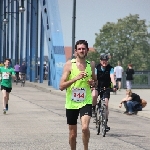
(114, 99)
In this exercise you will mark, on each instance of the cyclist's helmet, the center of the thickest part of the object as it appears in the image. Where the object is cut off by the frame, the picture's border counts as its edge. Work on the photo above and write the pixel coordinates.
(104, 56)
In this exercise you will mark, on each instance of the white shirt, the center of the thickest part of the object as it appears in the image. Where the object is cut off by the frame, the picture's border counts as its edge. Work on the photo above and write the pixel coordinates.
(118, 71)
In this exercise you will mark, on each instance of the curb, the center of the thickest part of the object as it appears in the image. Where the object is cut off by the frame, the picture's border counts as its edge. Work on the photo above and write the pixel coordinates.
(47, 90)
(59, 93)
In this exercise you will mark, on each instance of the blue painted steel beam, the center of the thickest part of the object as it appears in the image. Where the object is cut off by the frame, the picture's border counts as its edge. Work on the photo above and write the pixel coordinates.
(24, 22)
(12, 33)
(40, 43)
(10, 30)
(28, 38)
(54, 37)
(41, 51)
(58, 55)
(33, 41)
(17, 34)
(7, 30)
(14, 21)
(1, 30)
(4, 39)
(22, 37)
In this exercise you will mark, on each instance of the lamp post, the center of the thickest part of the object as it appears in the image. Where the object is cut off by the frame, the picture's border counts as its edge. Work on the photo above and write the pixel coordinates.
(73, 26)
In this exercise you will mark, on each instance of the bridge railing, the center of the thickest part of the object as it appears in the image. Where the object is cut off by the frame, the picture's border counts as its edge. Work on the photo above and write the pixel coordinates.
(141, 80)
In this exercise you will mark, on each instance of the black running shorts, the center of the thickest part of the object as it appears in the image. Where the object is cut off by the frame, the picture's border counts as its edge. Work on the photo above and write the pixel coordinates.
(72, 114)
(8, 90)
(105, 93)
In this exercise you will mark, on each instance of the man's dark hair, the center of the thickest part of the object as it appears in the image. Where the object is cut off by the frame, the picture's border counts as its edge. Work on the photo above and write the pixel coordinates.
(82, 42)
(8, 60)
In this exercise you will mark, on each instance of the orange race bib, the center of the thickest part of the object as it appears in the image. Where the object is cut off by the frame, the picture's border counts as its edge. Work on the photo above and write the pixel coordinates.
(78, 94)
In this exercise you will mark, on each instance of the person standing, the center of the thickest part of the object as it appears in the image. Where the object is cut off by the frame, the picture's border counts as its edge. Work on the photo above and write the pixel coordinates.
(118, 72)
(129, 77)
(23, 70)
(6, 83)
(17, 70)
(78, 76)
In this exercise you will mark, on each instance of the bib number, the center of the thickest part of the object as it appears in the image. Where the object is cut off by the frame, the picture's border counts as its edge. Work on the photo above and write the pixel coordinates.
(5, 76)
(78, 94)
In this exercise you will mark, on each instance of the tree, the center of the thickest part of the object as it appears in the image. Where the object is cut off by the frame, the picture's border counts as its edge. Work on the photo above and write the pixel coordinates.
(94, 56)
(128, 41)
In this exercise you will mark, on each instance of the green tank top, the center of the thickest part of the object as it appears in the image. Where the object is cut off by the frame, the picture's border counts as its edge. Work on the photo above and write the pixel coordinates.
(79, 93)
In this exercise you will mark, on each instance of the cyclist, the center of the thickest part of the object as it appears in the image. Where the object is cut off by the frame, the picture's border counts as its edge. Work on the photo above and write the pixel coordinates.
(17, 69)
(105, 75)
(6, 83)
(23, 69)
(78, 76)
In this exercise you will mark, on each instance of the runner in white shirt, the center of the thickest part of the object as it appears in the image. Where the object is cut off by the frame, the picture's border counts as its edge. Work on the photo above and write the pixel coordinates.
(118, 71)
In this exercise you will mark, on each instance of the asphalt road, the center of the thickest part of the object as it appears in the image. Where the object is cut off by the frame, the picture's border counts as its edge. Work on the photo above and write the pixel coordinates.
(36, 121)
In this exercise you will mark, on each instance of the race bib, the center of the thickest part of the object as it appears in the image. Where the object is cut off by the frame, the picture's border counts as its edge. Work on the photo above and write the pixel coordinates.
(78, 94)
(5, 75)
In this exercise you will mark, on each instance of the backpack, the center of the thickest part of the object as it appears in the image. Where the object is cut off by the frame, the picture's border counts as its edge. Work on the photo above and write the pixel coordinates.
(143, 103)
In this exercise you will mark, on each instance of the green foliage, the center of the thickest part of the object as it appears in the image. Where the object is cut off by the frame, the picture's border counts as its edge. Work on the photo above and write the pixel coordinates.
(128, 41)
(140, 79)
(93, 56)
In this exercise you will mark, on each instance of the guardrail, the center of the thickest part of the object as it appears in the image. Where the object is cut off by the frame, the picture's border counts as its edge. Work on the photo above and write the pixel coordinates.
(141, 80)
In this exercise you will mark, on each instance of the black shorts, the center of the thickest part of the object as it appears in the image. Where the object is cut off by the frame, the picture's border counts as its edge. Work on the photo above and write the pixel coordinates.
(72, 114)
(8, 90)
(118, 79)
(105, 94)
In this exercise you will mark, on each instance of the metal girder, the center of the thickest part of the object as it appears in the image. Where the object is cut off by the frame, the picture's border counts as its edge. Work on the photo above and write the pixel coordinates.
(54, 37)
(33, 41)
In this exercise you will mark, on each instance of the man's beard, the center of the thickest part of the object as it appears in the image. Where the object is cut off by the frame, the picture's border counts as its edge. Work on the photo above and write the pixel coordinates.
(81, 57)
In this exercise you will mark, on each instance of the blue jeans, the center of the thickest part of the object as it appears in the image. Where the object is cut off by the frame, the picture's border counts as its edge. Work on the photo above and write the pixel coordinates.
(130, 106)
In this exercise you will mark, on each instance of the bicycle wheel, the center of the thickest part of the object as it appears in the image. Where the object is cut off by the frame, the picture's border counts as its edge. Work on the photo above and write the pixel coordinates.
(103, 122)
(98, 121)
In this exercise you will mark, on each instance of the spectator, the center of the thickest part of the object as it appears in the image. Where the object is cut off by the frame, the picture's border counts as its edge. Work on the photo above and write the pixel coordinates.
(129, 77)
(132, 103)
(45, 71)
(118, 71)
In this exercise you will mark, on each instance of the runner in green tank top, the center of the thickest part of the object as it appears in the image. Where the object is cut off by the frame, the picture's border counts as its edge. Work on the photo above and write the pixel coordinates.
(78, 76)
(6, 73)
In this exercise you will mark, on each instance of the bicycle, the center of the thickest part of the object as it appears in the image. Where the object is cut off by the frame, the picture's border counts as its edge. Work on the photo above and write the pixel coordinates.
(101, 118)
(23, 80)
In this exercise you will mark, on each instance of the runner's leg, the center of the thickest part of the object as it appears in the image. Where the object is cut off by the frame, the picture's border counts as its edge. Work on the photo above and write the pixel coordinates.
(4, 98)
(72, 136)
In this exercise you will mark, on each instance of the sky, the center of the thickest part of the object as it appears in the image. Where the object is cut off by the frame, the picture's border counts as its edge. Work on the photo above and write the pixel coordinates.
(91, 15)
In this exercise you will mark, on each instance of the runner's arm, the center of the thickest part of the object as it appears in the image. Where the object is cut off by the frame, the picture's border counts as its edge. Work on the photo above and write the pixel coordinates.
(13, 74)
(94, 76)
(64, 82)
